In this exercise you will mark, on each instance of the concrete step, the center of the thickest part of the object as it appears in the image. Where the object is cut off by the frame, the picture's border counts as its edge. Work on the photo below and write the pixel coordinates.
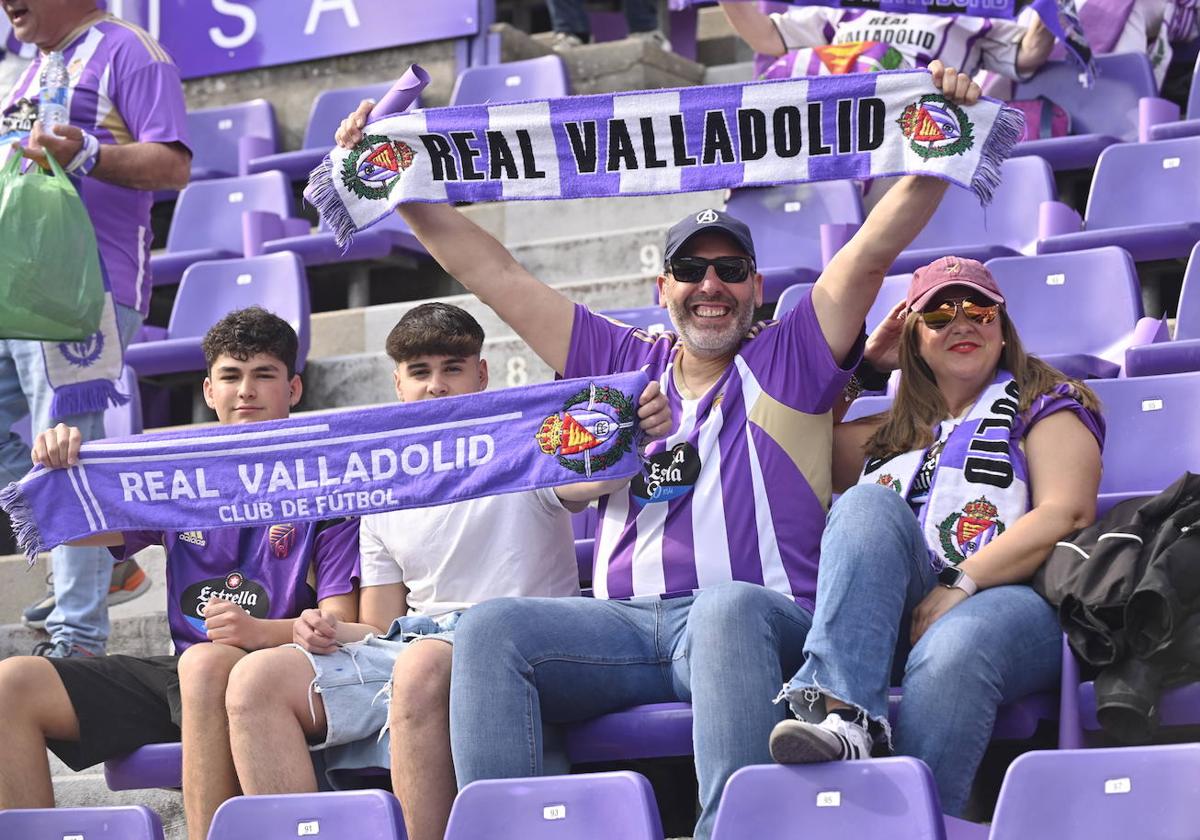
(717, 42)
(727, 74)
(87, 790)
(140, 635)
(22, 584)
(596, 256)
(363, 330)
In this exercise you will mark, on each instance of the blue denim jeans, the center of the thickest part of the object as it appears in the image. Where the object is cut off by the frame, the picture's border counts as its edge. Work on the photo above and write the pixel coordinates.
(520, 663)
(81, 575)
(570, 16)
(995, 647)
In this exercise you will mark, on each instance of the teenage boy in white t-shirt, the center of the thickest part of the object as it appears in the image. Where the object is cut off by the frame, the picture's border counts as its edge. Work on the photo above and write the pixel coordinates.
(425, 565)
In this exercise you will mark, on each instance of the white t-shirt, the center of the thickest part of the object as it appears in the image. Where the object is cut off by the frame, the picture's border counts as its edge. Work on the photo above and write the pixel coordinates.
(453, 556)
(960, 41)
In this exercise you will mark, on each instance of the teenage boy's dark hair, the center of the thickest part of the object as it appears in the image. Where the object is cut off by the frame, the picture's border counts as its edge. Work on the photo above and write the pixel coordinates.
(435, 329)
(246, 332)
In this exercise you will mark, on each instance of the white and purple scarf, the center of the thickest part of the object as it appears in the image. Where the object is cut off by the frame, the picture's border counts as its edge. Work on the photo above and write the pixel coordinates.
(979, 486)
(1059, 16)
(860, 126)
(344, 464)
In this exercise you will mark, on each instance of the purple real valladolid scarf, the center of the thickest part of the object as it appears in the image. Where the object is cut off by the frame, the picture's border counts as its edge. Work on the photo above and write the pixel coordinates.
(666, 141)
(350, 463)
(1059, 16)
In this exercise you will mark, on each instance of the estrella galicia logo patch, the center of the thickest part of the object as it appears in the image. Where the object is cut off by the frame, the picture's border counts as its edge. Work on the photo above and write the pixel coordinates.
(596, 424)
(667, 475)
(963, 534)
(83, 353)
(247, 594)
(890, 481)
(281, 538)
(936, 127)
(373, 167)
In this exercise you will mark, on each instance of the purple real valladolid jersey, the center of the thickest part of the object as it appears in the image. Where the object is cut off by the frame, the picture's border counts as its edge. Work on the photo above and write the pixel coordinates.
(740, 489)
(124, 89)
(267, 570)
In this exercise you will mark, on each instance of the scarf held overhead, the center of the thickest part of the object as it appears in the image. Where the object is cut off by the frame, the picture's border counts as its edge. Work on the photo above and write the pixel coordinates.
(1059, 16)
(344, 464)
(690, 139)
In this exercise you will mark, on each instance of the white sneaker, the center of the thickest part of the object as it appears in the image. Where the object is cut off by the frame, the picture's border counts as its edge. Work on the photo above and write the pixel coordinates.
(565, 42)
(833, 739)
(654, 36)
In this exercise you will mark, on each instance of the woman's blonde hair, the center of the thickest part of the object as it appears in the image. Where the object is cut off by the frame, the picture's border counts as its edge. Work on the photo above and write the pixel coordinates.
(919, 405)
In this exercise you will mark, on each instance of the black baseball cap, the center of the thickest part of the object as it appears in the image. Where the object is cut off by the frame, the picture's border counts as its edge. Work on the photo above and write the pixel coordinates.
(704, 220)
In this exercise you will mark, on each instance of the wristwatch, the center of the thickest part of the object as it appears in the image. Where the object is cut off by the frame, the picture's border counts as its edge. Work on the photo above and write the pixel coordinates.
(953, 577)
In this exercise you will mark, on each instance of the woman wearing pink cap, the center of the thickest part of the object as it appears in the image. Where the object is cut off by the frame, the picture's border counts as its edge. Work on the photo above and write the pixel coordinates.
(952, 500)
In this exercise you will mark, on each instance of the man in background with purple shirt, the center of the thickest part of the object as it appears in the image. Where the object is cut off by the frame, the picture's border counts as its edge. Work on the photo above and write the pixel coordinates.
(705, 567)
(127, 137)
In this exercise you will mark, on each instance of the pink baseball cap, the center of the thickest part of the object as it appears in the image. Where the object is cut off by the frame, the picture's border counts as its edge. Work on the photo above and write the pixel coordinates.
(950, 271)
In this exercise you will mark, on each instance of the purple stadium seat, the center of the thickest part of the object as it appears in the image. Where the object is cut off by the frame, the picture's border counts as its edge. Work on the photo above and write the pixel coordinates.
(584, 523)
(534, 78)
(655, 730)
(1078, 311)
(1100, 116)
(211, 290)
(883, 799)
(217, 134)
(652, 319)
(584, 548)
(1183, 353)
(328, 111)
(592, 806)
(866, 406)
(893, 290)
(151, 766)
(790, 296)
(127, 822)
(1151, 793)
(786, 223)
(1151, 436)
(1012, 224)
(344, 815)
(1187, 127)
(1142, 199)
(208, 225)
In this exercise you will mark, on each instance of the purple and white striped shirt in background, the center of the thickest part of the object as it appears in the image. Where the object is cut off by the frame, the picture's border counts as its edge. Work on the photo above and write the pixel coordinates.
(961, 41)
(124, 89)
(744, 481)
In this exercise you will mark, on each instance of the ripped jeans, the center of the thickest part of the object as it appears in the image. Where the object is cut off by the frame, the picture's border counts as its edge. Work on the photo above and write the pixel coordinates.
(995, 647)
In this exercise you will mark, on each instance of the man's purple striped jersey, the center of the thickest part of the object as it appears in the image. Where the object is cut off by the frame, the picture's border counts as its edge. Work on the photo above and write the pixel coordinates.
(124, 89)
(740, 489)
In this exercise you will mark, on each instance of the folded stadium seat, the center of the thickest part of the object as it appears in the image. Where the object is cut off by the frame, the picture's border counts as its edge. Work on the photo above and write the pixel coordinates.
(342, 815)
(652, 319)
(786, 222)
(883, 799)
(1024, 209)
(535, 78)
(1100, 116)
(208, 221)
(211, 290)
(866, 406)
(584, 523)
(1078, 311)
(1160, 124)
(790, 296)
(222, 137)
(1107, 794)
(126, 822)
(328, 110)
(151, 766)
(1143, 198)
(1151, 435)
(589, 806)
(1183, 353)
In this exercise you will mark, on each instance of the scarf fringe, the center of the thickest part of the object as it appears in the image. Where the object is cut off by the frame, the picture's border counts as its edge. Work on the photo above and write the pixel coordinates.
(1006, 131)
(85, 398)
(322, 194)
(14, 503)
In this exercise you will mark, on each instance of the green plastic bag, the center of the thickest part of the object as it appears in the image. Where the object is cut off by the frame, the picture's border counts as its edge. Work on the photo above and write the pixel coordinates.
(51, 288)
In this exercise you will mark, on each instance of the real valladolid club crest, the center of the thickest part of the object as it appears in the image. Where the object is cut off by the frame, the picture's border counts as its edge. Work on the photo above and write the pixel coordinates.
(374, 166)
(890, 481)
(597, 423)
(963, 534)
(936, 127)
(83, 353)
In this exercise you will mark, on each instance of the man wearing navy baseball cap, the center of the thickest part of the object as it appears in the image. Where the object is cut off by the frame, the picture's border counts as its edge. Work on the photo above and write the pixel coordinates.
(705, 567)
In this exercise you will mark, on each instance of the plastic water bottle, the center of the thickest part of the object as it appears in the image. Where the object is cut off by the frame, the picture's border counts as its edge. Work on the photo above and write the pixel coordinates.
(52, 100)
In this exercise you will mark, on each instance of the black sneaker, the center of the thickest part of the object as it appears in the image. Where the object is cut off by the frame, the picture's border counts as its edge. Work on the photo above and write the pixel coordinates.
(833, 739)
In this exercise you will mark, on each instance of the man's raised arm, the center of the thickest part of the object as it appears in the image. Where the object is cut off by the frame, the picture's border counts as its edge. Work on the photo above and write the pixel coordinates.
(850, 283)
(540, 315)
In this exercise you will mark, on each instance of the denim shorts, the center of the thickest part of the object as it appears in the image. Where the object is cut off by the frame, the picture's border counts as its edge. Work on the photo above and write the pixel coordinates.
(355, 681)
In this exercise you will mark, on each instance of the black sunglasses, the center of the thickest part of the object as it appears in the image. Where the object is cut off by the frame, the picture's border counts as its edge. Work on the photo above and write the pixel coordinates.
(693, 269)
